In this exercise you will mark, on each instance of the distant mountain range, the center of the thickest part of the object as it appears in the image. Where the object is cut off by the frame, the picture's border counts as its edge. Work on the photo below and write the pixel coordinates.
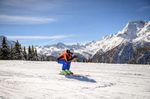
(116, 48)
(131, 45)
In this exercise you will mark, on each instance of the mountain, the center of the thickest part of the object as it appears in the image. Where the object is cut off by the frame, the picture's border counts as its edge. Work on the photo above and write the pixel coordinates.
(133, 45)
(9, 42)
(125, 53)
(135, 32)
(56, 49)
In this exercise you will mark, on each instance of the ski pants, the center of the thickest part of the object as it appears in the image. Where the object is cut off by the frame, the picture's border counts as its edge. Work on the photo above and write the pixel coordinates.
(65, 64)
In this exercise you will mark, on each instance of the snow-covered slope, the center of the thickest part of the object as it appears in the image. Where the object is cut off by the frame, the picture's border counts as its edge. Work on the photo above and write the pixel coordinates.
(40, 80)
(134, 31)
(144, 34)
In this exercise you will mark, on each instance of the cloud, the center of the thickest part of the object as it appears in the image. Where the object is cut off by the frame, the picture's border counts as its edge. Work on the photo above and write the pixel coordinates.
(30, 7)
(8, 19)
(144, 8)
(30, 4)
(55, 37)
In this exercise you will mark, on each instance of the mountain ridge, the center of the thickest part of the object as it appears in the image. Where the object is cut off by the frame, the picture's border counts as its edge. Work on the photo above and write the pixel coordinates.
(133, 32)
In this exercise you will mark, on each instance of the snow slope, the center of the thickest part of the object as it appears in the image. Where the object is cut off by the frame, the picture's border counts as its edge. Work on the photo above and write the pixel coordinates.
(40, 80)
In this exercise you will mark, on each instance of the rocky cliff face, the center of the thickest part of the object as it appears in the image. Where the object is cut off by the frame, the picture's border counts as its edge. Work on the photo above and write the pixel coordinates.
(125, 53)
(135, 47)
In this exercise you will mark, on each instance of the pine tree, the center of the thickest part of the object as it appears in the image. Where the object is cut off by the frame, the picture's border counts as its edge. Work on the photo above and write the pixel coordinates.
(4, 51)
(17, 51)
(29, 53)
(24, 53)
(36, 55)
(11, 52)
(33, 53)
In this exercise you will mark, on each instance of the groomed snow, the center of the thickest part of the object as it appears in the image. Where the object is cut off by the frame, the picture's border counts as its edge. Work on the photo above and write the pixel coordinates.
(40, 80)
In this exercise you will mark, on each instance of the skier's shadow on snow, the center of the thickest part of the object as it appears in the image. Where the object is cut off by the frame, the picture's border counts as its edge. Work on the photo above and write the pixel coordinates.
(81, 78)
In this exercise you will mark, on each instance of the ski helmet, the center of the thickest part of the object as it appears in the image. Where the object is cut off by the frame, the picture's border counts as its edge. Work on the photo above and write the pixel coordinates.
(71, 50)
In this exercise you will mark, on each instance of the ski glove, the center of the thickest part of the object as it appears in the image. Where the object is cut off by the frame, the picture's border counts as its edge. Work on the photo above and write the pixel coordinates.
(75, 56)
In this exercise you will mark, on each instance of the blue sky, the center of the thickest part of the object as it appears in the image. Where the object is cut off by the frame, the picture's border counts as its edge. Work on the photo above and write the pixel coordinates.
(43, 22)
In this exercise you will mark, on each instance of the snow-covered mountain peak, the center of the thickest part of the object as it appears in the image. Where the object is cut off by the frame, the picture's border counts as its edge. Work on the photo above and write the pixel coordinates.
(145, 29)
(134, 26)
(128, 34)
(144, 34)
(131, 29)
(60, 45)
(108, 36)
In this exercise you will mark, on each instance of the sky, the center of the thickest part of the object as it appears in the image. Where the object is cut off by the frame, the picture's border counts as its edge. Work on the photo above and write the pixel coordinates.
(46, 22)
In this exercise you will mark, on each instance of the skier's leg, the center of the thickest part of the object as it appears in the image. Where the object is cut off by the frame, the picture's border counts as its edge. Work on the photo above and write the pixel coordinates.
(63, 62)
(68, 65)
(64, 65)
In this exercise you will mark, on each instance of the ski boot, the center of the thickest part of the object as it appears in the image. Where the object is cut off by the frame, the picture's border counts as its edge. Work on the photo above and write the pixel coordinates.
(69, 72)
(63, 72)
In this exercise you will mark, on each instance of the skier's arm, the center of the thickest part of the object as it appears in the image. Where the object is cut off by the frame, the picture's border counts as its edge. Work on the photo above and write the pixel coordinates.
(75, 56)
(59, 57)
(63, 56)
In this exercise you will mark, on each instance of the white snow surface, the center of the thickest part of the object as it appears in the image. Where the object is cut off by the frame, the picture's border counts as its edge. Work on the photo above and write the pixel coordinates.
(41, 80)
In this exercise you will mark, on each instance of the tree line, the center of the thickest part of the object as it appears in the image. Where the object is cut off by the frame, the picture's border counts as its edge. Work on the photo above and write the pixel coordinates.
(17, 52)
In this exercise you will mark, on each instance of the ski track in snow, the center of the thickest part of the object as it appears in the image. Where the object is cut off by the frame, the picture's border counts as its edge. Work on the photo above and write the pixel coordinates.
(41, 80)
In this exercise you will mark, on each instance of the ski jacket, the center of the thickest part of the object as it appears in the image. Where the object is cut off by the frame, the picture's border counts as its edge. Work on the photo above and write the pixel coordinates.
(65, 56)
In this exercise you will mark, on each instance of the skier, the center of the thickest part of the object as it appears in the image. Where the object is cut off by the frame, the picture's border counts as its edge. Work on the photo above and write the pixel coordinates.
(65, 59)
